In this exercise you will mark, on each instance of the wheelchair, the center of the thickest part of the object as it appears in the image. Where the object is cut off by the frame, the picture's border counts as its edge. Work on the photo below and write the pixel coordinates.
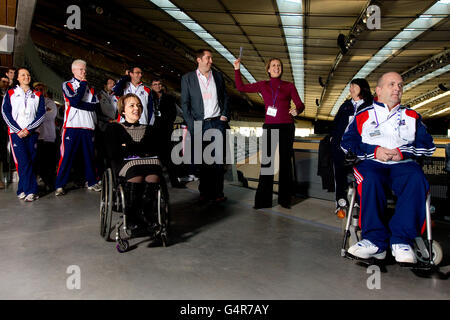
(352, 232)
(113, 201)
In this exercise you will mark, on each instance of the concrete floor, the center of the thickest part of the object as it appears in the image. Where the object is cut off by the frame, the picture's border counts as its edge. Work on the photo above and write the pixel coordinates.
(226, 251)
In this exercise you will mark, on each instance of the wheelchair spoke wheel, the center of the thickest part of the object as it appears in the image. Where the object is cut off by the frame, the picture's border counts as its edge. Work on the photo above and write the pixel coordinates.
(437, 253)
(122, 245)
(106, 203)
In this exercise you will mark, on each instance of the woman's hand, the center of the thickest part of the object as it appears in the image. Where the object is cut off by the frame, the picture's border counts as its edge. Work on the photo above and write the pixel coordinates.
(237, 64)
(293, 111)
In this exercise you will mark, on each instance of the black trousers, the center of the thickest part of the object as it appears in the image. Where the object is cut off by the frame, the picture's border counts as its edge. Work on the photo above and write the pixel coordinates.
(164, 133)
(46, 159)
(263, 197)
(341, 172)
(211, 175)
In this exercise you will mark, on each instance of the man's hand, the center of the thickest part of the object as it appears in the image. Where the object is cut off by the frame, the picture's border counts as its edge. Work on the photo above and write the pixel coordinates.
(223, 118)
(385, 154)
(396, 155)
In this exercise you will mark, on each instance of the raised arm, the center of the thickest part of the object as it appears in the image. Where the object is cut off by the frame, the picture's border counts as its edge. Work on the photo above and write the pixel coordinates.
(251, 87)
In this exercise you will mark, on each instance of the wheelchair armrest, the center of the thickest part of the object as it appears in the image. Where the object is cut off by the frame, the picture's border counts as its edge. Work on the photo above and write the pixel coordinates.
(351, 159)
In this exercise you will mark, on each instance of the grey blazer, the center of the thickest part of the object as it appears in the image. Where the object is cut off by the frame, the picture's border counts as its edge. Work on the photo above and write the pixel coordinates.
(192, 100)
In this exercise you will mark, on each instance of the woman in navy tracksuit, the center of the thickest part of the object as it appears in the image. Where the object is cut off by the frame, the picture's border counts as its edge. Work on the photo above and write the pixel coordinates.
(23, 110)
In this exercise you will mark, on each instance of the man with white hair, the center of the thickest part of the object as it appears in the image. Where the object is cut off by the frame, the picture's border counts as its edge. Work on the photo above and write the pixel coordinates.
(388, 137)
(78, 128)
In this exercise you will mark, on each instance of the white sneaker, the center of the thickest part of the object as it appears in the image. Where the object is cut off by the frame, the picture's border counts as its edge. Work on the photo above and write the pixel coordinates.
(59, 192)
(95, 187)
(31, 197)
(22, 196)
(365, 249)
(403, 253)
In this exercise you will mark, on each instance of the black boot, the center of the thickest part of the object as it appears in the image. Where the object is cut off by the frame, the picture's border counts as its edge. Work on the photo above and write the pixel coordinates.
(133, 201)
(149, 203)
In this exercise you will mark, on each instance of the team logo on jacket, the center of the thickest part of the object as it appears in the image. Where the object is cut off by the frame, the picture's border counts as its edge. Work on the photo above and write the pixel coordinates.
(402, 122)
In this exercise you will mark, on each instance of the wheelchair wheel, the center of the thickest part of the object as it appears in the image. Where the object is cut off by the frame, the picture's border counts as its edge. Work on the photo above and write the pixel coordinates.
(437, 253)
(122, 245)
(106, 203)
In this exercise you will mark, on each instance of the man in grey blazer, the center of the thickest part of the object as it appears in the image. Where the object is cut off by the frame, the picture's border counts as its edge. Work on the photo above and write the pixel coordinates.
(205, 102)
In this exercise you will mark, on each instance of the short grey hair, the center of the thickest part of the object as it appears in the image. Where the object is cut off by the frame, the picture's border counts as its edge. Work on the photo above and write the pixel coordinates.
(78, 62)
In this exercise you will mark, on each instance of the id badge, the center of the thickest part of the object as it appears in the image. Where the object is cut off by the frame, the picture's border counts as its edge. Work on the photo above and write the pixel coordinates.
(375, 133)
(271, 111)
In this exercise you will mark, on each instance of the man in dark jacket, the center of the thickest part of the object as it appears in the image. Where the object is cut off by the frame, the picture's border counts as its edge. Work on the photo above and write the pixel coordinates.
(205, 102)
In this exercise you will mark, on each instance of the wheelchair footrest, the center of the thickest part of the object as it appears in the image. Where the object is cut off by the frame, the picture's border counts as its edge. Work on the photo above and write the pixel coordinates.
(422, 266)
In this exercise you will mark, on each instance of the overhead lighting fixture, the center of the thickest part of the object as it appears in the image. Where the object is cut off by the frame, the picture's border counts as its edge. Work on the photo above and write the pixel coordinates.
(291, 15)
(189, 23)
(436, 13)
(441, 111)
(439, 96)
(426, 77)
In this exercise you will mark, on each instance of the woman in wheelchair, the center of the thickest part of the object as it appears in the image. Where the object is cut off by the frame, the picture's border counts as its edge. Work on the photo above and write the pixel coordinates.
(132, 150)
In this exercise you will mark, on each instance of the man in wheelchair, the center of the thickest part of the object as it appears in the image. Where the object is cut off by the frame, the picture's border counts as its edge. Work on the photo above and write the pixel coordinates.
(132, 150)
(388, 137)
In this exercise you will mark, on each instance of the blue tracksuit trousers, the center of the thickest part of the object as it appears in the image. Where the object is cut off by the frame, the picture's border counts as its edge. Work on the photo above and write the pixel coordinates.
(71, 140)
(408, 183)
(24, 153)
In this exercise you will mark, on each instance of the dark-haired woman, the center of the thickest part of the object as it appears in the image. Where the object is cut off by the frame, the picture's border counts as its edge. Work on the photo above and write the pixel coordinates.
(132, 149)
(277, 95)
(23, 110)
(361, 97)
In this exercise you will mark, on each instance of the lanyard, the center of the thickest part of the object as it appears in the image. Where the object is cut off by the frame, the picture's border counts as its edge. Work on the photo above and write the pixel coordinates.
(28, 94)
(208, 80)
(276, 94)
(398, 113)
(356, 104)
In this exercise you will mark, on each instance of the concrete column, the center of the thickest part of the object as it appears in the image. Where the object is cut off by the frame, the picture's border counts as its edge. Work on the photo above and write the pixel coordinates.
(25, 12)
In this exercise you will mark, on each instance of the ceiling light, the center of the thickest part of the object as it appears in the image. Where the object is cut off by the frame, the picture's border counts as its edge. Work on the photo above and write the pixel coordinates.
(426, 77)
(441, 111)
(437, 12)
(189, 23)
(431, 100)
(291, 15)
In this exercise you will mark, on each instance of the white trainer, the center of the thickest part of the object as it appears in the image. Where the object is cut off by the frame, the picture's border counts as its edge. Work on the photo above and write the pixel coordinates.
(31, 197)
(403, 253)
(365, 249)
(21, 196)
(95, 187)
(59, 192)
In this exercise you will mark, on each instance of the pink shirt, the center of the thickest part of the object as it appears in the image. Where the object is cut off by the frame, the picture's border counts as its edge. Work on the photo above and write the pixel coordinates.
(283, 91)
